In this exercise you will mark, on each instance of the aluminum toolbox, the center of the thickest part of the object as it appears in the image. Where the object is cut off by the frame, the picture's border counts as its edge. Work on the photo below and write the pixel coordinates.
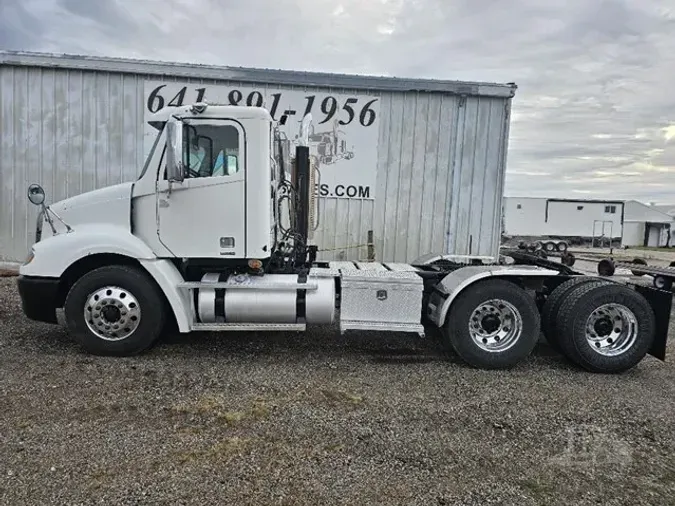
(376, 298)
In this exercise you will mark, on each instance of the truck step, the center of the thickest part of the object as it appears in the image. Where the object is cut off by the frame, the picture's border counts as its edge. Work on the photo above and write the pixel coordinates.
(381, 326)
(244, 327)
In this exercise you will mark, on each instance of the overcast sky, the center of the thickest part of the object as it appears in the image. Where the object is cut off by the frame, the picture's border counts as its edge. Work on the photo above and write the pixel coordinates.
(594, 115)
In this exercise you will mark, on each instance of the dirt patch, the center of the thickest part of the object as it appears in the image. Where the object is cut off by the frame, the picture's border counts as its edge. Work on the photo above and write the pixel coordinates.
(321, 418)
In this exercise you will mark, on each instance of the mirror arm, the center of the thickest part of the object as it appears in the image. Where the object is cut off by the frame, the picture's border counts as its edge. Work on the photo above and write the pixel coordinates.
(45, 210)
(49, 210)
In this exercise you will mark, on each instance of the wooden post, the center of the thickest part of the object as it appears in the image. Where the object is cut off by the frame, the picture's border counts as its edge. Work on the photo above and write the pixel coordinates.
(371, 246)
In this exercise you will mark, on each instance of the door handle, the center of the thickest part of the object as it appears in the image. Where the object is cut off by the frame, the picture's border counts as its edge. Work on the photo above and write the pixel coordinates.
(163, 203)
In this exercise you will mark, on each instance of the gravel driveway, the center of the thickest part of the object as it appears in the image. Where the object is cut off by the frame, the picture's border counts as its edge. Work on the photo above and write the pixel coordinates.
(320, 418)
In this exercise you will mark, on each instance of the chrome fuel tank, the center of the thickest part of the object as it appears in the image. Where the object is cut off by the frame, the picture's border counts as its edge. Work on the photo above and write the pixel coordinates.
(272, 298)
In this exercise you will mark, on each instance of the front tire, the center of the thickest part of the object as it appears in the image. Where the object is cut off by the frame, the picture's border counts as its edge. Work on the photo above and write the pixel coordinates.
(116, 310)
(493, 324)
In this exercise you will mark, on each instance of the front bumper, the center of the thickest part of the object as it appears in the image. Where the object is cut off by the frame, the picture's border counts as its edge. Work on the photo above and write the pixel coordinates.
(39, 297)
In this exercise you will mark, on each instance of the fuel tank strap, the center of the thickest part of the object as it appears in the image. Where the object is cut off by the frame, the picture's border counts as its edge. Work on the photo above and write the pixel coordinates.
(301, 300)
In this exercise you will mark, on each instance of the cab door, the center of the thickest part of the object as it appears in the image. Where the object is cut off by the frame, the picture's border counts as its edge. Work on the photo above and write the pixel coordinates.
(204, 215)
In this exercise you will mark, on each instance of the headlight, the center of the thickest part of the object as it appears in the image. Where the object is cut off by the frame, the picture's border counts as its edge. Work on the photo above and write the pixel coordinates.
(38, 225)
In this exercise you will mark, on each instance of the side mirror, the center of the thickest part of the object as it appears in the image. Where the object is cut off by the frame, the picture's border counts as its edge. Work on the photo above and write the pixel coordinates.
(36, 194)
(174, 150)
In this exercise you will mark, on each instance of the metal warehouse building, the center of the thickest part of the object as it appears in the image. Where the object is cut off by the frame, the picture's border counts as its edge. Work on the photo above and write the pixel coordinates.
(417, 163)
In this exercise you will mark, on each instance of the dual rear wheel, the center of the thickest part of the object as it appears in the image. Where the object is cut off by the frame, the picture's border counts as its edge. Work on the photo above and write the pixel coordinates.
(599, 325)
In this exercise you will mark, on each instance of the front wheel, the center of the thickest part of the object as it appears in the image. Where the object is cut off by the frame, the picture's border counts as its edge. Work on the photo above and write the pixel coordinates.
(493, 324)
(115, 310)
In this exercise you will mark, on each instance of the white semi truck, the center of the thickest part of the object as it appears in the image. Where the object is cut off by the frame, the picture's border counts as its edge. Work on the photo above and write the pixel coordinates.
(213, 236)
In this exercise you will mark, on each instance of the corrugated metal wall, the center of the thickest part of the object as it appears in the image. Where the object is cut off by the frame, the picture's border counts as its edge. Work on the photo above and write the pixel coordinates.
(439, 173)
(69, 131)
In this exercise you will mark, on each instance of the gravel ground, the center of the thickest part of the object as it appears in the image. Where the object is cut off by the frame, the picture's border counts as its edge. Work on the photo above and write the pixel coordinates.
(320, 418)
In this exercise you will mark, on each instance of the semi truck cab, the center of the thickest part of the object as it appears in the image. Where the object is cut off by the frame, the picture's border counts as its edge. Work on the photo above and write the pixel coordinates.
(214, 235)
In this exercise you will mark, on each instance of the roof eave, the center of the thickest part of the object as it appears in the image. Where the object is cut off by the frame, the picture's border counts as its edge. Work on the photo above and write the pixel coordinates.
(256, 75)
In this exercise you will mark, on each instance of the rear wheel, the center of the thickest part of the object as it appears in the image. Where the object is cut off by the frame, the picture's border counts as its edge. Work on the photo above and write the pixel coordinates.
(568, 259)
(562, 246)
(115, 310)
(493, 324)
(552, 305)
(605, 327)
(606, 267)
(638, 261)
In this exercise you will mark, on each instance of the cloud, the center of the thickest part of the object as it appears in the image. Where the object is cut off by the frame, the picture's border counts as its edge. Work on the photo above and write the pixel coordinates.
(594, 113)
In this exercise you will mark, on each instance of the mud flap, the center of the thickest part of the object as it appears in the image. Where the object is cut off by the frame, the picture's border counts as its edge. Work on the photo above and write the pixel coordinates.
(661, 302)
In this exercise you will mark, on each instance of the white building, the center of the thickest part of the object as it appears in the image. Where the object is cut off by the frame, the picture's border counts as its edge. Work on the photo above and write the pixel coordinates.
(528, 216)
(647, 226)
(628, 223)
(668, 209)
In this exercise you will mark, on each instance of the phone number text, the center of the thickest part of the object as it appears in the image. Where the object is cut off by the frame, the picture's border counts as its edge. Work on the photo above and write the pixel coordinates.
(329, 107)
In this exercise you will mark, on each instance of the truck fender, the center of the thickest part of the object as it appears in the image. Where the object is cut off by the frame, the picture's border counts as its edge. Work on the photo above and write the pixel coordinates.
(449, 288)
(168, 278)
(55, 254)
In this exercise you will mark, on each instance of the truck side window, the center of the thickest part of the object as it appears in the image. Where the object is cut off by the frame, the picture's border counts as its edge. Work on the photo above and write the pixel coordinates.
(211, 150)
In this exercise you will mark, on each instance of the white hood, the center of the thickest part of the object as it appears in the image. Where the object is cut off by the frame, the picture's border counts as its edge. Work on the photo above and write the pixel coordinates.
(109, 205)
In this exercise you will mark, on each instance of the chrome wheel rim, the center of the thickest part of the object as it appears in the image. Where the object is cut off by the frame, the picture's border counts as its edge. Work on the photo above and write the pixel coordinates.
(611, 329)
(112, 313)
(495, 325)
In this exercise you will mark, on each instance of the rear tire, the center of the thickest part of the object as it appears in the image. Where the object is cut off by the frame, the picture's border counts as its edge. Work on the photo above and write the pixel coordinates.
(606, 267)
(568, 259)
(552, 305)
(638, 261)
(492, 324)
(116, 310)
(605, 327)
